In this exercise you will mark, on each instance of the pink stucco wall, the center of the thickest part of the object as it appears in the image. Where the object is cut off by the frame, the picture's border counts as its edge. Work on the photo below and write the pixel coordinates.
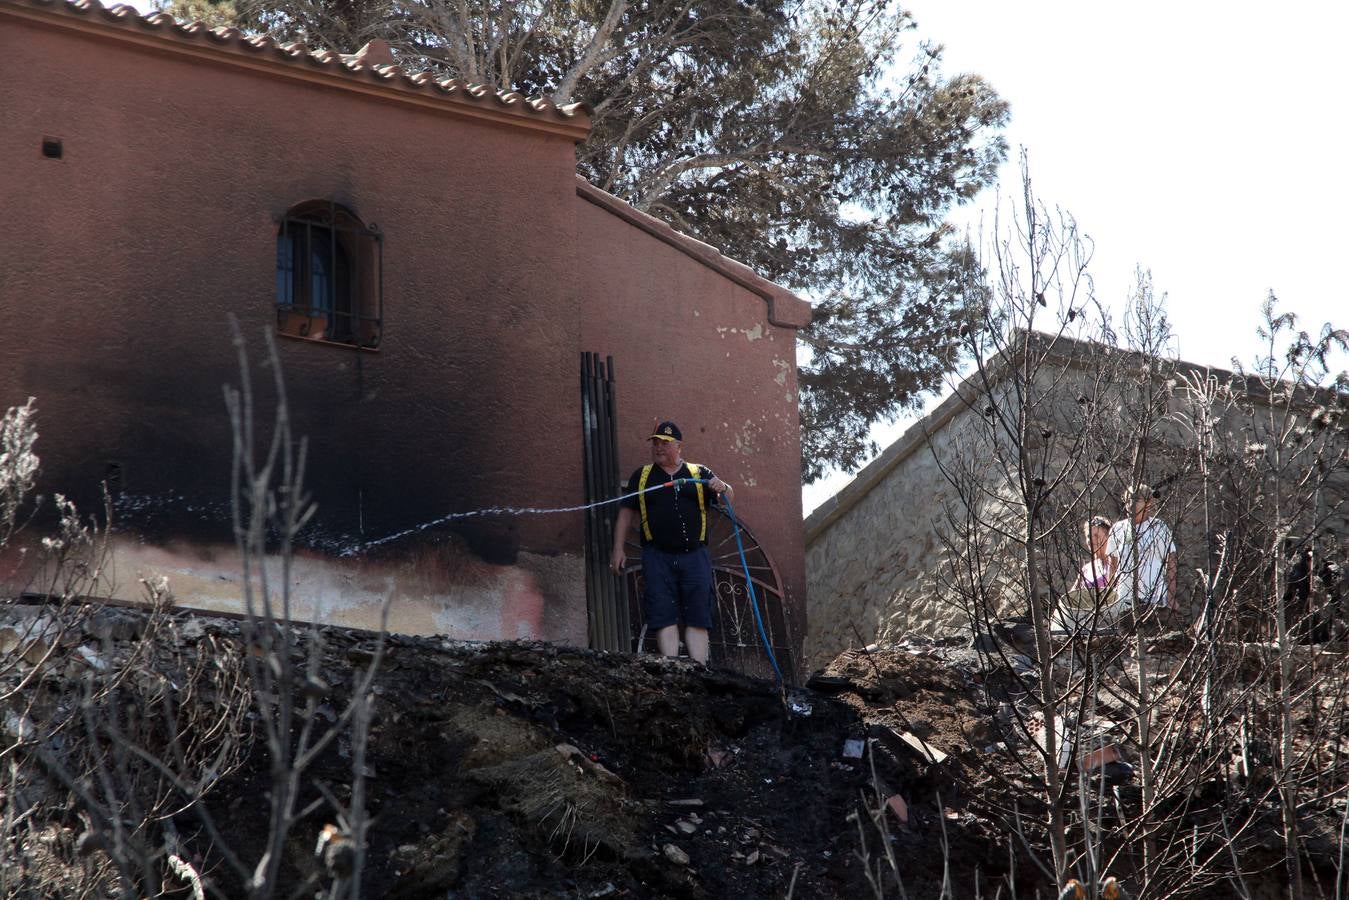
(160, 221)
(129, 254)
(692, 345)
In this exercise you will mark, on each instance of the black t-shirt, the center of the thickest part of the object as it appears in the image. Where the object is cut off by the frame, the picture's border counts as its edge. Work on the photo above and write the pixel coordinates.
(672, 512)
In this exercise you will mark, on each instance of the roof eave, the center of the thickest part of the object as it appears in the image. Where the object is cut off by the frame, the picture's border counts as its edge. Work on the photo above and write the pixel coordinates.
(785, 309)
(159, 33)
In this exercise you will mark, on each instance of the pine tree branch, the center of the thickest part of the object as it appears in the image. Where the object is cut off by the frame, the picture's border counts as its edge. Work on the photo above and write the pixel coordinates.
(598, 41)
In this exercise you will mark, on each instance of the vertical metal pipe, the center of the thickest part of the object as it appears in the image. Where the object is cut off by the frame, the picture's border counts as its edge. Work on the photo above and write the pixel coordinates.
(609, 615)
(587, 455)
(613, 485)
(607, 479)
(602, 575)
(602, 516)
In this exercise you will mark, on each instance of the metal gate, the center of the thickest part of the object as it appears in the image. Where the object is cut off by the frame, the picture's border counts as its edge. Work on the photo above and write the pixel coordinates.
(610, 627)
(734, 638)
(613, 604)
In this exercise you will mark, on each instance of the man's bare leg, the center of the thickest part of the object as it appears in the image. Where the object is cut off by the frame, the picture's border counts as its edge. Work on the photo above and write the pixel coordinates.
(667, 639)
(697, 641)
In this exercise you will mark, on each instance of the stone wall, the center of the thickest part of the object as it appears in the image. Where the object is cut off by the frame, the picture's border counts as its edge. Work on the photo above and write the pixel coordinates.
(879, 555)
(875, 551)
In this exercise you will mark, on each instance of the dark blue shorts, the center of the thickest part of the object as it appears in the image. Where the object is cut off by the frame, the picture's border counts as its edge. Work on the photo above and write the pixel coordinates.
(678, 588)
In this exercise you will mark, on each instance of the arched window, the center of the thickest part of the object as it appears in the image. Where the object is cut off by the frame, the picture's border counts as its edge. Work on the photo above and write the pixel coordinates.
(328, 276)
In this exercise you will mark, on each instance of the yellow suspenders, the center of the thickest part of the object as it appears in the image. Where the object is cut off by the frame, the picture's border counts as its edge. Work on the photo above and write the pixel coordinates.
(694, 471)
(641, 500)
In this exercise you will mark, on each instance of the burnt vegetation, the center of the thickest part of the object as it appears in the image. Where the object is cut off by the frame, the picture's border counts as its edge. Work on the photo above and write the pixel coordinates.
(1195, 750)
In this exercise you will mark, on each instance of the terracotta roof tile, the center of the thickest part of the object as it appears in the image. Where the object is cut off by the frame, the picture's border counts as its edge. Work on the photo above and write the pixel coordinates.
(372, 65)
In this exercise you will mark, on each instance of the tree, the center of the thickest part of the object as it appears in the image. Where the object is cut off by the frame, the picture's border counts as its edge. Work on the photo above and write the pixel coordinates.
(1023, 467)
(792, 134)
(1295, 460)
(1228, 738)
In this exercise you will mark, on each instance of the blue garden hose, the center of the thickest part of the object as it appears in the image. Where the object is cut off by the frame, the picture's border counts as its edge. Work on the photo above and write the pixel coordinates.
(749, 581)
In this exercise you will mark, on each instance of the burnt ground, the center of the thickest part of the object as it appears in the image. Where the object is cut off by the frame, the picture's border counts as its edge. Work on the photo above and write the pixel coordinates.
(683, 782)
(524, 770)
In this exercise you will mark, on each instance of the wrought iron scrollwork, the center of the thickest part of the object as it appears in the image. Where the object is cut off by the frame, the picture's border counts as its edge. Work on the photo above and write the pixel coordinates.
(735, 640)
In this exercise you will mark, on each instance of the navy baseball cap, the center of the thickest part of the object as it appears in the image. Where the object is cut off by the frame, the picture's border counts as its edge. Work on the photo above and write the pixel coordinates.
(667, 431)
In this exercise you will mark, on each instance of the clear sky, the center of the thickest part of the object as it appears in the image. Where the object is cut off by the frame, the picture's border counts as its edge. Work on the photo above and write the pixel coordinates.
(1202, 140)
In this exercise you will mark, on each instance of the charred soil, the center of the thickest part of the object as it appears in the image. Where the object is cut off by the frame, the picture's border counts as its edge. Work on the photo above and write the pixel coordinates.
(516, 770)
(527, 770)
(490, 770)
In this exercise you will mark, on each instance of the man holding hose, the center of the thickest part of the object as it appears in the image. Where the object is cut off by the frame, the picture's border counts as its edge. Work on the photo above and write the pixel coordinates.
(675, 561)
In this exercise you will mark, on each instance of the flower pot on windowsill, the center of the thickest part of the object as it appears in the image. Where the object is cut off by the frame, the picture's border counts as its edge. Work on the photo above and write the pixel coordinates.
(301, 324)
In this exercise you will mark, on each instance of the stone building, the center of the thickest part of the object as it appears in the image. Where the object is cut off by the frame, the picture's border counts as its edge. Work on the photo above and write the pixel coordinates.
(878, 552)
(432, 270)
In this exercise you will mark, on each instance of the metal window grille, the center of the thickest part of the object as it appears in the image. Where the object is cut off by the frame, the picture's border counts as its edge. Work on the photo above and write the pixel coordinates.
(330, 277)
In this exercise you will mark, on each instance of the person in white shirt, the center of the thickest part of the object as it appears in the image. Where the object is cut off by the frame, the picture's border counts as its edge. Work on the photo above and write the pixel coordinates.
(1142, 554)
